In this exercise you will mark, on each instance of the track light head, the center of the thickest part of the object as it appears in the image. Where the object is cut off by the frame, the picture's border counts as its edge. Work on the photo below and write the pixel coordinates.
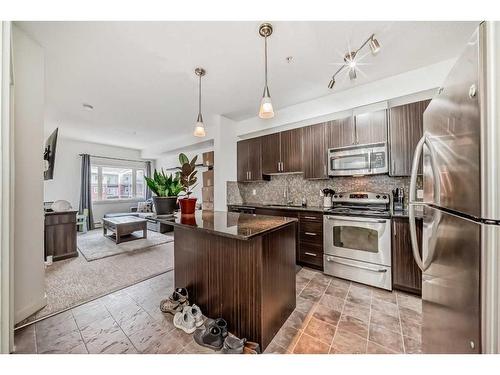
(331, 84)
(374, 45)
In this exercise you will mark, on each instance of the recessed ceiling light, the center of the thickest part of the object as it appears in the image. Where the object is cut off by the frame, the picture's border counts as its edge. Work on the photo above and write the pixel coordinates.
(289, 59)
(87, 107)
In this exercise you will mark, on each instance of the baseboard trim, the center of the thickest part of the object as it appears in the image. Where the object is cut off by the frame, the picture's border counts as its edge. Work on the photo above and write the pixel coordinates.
(30, 309)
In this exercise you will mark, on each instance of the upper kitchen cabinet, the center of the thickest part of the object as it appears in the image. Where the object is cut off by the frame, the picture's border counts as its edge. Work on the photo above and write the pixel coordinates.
(371, 127)
(314, 151)
(340, 133)
(271, 157)
(282, 152)
(249, 160)
(405, 130)
(291, 150)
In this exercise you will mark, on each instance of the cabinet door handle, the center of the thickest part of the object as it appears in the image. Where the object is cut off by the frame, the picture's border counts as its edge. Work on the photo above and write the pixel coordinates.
(311, 254)
(311, 233)
(282, 167)
(310, 217)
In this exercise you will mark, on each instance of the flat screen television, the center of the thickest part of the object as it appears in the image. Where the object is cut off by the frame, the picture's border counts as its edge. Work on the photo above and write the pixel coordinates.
(49, 155)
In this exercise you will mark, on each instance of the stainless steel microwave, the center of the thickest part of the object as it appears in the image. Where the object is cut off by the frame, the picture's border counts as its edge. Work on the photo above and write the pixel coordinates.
(358, 160)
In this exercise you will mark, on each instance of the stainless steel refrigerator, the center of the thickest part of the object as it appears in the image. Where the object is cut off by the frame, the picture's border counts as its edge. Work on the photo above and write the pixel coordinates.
(461, 205)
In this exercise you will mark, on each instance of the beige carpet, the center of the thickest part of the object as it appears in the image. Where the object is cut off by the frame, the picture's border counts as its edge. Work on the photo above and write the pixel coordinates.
(72, 281)
(93, 245)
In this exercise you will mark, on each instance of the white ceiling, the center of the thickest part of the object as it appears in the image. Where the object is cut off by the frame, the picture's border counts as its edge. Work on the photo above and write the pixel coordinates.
(139, 76)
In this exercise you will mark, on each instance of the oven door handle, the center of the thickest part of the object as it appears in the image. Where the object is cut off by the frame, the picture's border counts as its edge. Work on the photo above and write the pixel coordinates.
(380, 270)
(367, 220)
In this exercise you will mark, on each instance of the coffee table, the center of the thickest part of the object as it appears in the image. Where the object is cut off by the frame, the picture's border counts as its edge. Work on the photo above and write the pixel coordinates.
(123, 227)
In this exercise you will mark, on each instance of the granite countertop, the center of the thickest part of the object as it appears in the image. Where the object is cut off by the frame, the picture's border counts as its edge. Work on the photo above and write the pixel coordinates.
(231, 224)
(280, 207)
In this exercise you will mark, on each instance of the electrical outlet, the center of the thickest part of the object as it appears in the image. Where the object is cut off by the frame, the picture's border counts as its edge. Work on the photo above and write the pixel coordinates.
(420, 194)
(254, 192)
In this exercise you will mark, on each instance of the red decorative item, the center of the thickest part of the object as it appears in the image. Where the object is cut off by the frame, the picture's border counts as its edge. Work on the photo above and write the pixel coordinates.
(188, 205)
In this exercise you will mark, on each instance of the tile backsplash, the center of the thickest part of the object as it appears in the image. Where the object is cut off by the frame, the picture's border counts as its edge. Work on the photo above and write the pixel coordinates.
(274, 191)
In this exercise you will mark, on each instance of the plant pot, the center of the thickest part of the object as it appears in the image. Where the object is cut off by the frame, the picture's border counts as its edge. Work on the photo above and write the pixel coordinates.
(188, 206)
(165, 205)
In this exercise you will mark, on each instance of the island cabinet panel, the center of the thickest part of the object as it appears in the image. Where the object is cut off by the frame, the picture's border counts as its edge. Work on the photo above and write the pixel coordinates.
(371, 127)
(340, 133)
(314, 152)
(291, 150)
(250, 283)
(248, 153)
(271, 155)
(406, 123)
(406, 275)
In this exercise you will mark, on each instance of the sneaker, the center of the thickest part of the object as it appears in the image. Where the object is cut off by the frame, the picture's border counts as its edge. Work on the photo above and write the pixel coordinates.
(233, 345)
(220, 323)
(210, 337)
(195, 312)
(176, 302)
(184, 320)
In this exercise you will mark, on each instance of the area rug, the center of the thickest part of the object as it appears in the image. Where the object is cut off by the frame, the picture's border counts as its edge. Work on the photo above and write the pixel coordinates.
(93, 245)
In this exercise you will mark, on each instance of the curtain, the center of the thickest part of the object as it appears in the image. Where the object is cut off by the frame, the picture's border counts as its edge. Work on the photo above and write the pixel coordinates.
(148, 174)
(85, 190)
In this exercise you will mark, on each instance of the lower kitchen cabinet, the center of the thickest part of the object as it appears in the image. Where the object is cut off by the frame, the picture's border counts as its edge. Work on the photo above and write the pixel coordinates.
(406, 275)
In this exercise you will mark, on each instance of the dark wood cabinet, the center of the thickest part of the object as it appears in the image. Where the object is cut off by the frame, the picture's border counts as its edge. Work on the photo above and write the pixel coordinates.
(406, 275)
(60, 235)
(405, 130)
(340, 133)
(291, 150)
(314, 152)
(371, 127)
(249, 160)
(271, 155)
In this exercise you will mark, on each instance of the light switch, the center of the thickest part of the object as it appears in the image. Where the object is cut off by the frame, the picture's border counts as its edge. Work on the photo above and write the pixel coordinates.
(420, 194)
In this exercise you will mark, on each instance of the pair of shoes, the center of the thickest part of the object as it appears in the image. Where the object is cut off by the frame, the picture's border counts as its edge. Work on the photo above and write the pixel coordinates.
(176, 302)
(213, 334)
(188, 319)
(233, 345)
(251, 348)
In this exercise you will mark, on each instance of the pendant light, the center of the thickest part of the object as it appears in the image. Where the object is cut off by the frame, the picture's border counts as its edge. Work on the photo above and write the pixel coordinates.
(266, 106)
(199, 128)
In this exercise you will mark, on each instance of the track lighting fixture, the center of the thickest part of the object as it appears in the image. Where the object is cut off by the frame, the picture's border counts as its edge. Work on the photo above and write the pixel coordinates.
(350, 59)
(266, 106)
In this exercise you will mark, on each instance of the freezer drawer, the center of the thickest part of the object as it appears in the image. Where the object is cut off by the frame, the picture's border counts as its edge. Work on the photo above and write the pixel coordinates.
(361, 272)
(451, 283)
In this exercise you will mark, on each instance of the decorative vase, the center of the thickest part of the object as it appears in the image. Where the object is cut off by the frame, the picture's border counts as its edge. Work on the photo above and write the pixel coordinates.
(165, 205)
(188, 206)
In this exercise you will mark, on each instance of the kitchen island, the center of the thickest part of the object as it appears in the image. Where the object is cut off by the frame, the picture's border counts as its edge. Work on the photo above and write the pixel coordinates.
(240, 267)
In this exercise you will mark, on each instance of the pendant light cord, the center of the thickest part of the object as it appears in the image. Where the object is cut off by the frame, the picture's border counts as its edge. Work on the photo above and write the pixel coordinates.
(199, 97)
(265, 58)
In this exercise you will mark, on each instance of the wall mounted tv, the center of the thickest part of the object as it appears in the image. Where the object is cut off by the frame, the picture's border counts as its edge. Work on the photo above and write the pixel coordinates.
(49, 155)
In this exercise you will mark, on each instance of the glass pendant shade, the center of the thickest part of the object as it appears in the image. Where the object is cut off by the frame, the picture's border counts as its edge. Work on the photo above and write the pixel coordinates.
(199, 128)
(266, 106)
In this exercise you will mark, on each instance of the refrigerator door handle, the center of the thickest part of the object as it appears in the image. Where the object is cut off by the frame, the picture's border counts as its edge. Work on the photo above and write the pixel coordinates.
(412, 204)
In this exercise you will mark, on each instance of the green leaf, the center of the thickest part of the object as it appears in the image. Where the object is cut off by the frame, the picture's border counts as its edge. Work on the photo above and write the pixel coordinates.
(183, 159)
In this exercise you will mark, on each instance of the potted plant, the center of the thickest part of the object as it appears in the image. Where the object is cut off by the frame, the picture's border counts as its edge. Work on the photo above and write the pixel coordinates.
(188, 181)
(166, 188)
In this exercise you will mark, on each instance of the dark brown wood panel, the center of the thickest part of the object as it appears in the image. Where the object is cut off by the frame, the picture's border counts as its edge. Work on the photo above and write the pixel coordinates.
(291, 150)
(271, 154)
(371, 127)
(311, 232)
(208, 159)
(311, 255)
(406, 275)
(314, 152)
(253, 288)
(255, 159)
(242, 160)
(406, 123)
(340, 132)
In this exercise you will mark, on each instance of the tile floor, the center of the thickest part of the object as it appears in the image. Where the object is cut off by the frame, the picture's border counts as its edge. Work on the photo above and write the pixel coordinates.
(332, 316)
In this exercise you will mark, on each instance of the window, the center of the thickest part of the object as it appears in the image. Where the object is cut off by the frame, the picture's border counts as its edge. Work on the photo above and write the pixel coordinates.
(117, 182)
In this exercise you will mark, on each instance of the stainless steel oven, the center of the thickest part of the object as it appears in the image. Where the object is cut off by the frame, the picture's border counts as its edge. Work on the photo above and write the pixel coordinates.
(358, 160)
(358, 249)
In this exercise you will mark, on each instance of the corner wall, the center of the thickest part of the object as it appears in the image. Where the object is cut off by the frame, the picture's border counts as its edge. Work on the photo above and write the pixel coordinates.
(29, 92)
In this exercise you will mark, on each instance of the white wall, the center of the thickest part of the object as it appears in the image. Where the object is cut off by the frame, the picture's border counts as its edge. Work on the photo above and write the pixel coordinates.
(29, 284)
(224, 160)
(66, 182)
(171, 160)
